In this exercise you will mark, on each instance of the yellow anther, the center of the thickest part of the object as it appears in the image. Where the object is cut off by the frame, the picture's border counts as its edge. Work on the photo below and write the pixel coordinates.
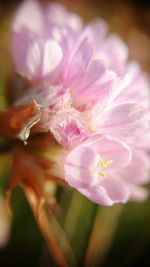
(105, 163)
(103, 174)
(110, 162)
(102, 163)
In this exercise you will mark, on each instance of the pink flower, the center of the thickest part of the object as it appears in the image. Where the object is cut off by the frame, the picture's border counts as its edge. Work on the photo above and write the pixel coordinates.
(92, 100)
(107, 171)
(91, 169)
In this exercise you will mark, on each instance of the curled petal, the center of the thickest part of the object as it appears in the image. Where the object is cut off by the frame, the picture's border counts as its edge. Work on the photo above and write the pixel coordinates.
(67, 129)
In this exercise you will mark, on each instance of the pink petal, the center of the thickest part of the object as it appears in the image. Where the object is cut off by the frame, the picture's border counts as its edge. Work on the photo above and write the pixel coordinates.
(96, 31)
(138, 170)
(97, 194)
(116, 189)
(34, 57)
(93, 86)
(95, 70)
(52, 57)
(28, 16)
(78, 177)
(78, 61)
(116, 52)
(78, 167)
(57, 14)
(138, 193)
(119, 86)
(111, 149)
(123, 120)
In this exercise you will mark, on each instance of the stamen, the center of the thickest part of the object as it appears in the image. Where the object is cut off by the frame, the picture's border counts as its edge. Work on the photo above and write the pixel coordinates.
(104, 163)
(103, 174)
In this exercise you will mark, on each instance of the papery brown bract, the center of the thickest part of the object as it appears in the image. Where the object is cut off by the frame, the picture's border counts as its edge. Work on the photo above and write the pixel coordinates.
(17, 122)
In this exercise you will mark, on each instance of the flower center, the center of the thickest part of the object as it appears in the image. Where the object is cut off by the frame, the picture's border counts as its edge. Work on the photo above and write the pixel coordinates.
(104, 164)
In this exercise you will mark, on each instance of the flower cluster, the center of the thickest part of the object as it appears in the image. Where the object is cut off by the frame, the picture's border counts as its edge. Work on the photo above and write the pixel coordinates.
(93, 101)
